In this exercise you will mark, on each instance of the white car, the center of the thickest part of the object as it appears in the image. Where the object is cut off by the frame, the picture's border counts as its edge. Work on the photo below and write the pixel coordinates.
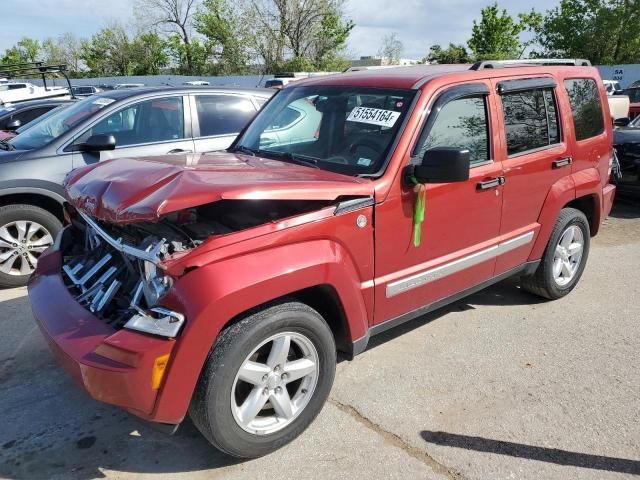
(197, 83)
(11, 92)
(279, 83)
(120, 86)
(612, 86)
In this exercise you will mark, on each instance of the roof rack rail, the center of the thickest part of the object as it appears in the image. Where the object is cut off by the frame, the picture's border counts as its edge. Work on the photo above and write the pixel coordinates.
(36, 69)
(485, 64)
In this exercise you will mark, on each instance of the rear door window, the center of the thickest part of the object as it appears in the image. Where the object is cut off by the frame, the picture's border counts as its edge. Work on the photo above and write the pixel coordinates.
(586, 107)
(223, 114)
(530, 120)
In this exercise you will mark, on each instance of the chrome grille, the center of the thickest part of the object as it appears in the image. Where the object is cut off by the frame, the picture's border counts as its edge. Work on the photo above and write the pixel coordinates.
(106, 280)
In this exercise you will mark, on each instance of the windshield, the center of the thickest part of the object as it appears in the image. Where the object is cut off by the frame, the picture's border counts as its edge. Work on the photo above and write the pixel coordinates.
(41, 118)
(60, 121)
(343, 129)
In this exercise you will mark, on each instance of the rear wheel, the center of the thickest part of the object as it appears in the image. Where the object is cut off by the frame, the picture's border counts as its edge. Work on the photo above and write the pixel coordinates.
(26, 231)
(564, 258)
(266, 379)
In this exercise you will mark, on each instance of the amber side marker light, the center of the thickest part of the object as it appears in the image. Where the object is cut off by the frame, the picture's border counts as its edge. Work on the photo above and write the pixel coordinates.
(159, 367)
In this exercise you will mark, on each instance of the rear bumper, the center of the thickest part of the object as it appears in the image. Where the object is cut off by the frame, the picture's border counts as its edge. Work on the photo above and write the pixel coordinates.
(112, 366)
(608, 195)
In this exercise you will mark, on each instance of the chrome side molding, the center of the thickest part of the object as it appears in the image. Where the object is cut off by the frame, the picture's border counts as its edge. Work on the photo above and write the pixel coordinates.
(419, 279)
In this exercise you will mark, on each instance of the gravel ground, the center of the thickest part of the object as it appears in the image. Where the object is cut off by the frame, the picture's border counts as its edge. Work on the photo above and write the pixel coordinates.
(500, 385)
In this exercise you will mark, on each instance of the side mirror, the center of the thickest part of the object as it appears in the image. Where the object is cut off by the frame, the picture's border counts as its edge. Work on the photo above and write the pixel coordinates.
(622, 122)
(441, 165)
(13, 125)
(98, 143)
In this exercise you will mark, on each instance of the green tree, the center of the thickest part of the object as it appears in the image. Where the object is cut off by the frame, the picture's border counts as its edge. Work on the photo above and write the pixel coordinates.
(296, 33)
(51, 52)
(221, 25)
(195, 53)
(497, 35)
(109, 52)
(452, 54)
(176, 17)
(29, 49)
(24, 51)
(603, 31)
(149, 54)
(11, 56)
(331, 41)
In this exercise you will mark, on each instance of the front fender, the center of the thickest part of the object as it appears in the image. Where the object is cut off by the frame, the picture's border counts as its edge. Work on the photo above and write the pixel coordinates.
(214, 294)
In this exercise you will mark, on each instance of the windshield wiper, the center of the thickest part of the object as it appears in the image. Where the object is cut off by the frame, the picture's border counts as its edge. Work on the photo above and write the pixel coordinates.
(243, 149)
(291, 157)
(6, 145)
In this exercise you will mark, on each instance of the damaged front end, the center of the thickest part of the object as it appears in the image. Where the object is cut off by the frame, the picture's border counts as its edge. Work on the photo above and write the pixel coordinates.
(115, 273)
(118, 271)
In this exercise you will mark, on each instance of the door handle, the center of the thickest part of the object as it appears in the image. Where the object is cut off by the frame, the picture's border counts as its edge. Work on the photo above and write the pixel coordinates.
(178, 150)
(563, 162)
(491, 183)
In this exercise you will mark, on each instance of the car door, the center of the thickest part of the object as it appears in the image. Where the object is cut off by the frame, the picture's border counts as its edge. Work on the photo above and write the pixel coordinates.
(218, 119)
(154, 126)
(459, 235)
(534, 155)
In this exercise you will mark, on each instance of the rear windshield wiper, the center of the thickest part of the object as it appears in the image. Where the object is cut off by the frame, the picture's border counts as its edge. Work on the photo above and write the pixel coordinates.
(4, 145)
(291, 157)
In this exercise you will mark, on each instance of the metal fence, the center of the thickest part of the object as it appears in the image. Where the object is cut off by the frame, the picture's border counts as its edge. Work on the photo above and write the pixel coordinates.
(245, 81)
(625, 74)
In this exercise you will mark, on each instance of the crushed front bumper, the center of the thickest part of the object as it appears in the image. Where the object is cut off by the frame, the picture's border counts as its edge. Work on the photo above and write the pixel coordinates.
(112, 366)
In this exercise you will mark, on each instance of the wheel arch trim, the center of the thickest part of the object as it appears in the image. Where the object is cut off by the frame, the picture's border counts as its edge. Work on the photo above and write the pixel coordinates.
(214, 295)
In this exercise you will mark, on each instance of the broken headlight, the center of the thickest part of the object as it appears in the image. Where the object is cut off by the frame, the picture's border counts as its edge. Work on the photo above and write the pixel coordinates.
(155, 283)
(158, 320)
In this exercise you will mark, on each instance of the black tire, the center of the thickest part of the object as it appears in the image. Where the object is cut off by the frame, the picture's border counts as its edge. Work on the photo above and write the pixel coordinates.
(542, 282)
(211, 409)
(29, 213)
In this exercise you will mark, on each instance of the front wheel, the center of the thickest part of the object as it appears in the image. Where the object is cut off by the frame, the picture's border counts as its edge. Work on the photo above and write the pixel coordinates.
(266, 379)
(26, 231)
(564, 258)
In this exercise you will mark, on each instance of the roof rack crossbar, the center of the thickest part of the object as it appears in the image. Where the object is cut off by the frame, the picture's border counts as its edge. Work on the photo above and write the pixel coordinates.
(36, 69)
(487, 64)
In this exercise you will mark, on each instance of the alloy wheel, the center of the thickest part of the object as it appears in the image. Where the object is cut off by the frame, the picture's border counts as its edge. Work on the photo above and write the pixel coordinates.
(568, 255)
(21, 244)
(275, 383)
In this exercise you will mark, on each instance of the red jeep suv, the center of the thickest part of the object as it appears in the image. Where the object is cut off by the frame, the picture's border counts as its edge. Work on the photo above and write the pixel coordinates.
(223, 285)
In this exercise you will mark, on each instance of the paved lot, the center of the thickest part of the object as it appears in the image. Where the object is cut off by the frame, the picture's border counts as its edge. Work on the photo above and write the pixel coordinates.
(500, 385)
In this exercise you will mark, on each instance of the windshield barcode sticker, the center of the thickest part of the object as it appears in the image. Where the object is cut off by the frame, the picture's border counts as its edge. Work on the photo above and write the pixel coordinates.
(374, 116)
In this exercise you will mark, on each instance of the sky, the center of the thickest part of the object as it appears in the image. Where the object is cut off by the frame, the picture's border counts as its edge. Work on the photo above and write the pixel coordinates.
(418, 23)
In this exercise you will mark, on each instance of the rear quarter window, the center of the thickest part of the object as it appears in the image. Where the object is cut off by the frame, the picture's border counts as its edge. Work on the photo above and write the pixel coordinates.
(586, 108)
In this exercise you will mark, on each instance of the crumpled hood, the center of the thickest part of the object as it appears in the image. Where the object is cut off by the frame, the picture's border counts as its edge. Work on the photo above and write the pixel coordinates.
(130, 190)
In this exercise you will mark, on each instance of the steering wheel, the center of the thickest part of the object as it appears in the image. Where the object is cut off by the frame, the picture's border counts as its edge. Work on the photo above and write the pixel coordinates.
(363, 142)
